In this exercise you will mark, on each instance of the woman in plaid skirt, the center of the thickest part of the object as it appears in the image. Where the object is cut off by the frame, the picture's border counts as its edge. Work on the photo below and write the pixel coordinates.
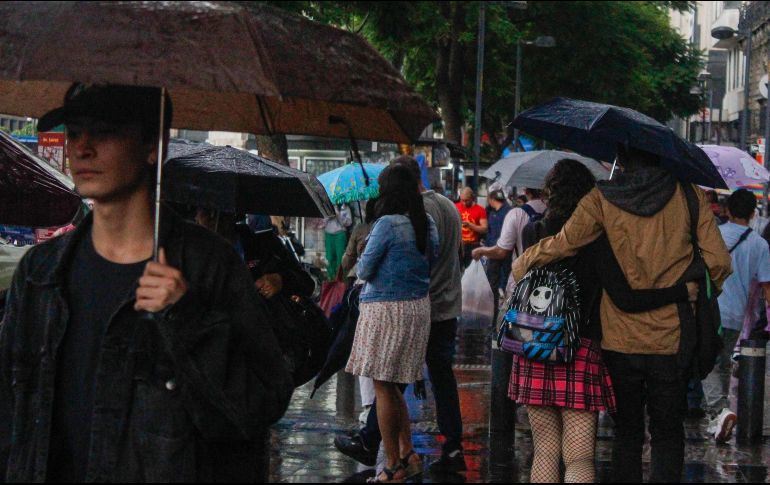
(564, 400)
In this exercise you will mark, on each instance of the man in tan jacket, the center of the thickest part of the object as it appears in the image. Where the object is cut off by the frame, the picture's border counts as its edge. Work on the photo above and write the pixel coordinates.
(645, 215)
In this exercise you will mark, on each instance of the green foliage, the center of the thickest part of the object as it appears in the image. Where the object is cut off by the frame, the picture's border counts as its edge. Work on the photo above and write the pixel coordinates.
(26, 130)
(616, 52)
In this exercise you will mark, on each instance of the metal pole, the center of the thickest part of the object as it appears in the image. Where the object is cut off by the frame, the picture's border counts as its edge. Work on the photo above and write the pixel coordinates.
(479, 93)
(703, 126)
(711, 112)
(746, 87)
(517, 105)
(767, 143)
(158, 176)
(751, 391)
(719, 122)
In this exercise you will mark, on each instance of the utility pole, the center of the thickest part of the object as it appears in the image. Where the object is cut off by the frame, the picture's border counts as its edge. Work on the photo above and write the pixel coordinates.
(517, 105)
(479, 95)
(747, 72)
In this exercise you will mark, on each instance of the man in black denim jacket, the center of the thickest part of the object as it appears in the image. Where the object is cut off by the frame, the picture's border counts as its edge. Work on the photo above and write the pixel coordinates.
(185, 396)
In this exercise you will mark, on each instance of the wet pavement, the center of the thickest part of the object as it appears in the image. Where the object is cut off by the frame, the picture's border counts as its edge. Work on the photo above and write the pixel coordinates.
(303, 450)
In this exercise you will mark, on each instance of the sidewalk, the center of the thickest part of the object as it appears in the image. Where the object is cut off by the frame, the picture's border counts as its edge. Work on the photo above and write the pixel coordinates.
(303, 450)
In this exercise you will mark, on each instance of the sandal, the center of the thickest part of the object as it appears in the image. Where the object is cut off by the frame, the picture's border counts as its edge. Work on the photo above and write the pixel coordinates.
(412, 469)
(390, 475)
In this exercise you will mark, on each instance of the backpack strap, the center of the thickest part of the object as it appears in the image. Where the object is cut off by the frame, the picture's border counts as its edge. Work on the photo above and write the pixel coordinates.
(743, 237)
(529, 210)
(692, 205)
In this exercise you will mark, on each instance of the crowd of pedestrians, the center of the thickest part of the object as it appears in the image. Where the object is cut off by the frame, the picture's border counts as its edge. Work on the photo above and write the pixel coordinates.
(117, 367)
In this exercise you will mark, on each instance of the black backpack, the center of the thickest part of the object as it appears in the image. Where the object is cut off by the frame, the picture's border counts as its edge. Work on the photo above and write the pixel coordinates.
(700, 342)
(304, 334)
(543, 314)
(534, 215)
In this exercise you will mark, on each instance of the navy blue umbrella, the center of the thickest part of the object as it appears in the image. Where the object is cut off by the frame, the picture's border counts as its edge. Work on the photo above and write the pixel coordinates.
(595, 130)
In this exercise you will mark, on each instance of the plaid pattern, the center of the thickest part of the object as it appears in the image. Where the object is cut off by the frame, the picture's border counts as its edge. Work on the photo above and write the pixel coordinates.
(582, 384)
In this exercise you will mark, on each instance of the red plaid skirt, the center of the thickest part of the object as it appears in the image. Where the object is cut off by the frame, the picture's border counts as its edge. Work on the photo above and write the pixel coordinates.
(582, 384)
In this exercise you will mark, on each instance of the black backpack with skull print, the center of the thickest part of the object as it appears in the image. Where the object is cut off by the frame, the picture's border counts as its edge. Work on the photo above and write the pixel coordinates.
(543, 314)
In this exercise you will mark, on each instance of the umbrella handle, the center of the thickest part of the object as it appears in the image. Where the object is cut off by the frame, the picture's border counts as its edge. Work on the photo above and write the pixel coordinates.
(158, 177)
(353, 145)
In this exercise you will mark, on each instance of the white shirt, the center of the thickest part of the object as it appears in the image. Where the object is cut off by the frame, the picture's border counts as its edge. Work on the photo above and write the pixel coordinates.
(340, 221)
(513, 226)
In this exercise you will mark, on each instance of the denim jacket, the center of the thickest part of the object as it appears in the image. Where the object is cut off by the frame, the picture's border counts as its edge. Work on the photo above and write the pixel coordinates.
(182, 398)
(392, 266)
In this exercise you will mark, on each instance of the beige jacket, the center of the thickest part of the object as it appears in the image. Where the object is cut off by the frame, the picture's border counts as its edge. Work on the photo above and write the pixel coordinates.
(653, 252)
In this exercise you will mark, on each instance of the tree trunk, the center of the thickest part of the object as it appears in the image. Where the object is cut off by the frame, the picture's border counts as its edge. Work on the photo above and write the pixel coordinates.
(274, 148)
(449, 73)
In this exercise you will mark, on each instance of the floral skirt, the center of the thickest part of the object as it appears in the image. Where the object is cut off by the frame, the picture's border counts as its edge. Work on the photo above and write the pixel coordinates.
(583, 384)
(391, 341)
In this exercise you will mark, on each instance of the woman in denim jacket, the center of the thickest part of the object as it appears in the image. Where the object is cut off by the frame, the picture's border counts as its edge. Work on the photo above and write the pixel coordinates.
(394, 324)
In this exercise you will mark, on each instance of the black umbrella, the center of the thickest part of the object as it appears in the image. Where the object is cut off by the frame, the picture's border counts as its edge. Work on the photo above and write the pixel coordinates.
(231, 180)
(343, 321)
(30, 194)
(595, 130)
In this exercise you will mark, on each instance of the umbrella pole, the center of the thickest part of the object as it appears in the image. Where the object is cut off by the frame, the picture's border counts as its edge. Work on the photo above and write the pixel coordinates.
(158, 177)
(614, 165)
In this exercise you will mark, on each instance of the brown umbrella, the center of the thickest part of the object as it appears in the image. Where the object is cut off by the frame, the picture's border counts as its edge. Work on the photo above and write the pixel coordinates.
(253, 69)
(228, 67)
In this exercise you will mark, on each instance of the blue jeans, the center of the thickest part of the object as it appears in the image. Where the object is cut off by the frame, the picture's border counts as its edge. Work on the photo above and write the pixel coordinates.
(439, 357)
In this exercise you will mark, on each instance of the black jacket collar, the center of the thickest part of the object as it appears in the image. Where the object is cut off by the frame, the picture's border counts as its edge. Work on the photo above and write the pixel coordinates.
(51, 263)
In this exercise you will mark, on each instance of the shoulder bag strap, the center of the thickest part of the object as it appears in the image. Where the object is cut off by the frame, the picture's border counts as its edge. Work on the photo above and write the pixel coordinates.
(692, 205)
(743, 237)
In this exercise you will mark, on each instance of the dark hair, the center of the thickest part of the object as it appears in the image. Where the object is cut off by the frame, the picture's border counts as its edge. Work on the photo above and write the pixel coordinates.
(409, 163)
(567, 183)
(399, 194)
(522, 198)
(371, 210)
(742, 204)
(535, 193)
(632, 158)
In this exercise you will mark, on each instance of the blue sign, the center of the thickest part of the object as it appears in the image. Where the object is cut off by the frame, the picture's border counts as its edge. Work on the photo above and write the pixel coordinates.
(25, 138)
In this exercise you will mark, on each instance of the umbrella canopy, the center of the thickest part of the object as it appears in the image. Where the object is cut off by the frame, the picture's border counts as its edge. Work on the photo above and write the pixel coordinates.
(243, 67)
(343, 322)
(348, 184)
(30, 194)
(228, 66)
(595, 130)
(231, 180)
(736, 167)
(528, 169)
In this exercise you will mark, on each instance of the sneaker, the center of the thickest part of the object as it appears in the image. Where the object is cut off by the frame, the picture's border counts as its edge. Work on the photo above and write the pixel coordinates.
(723, 425)
(449, 463)
(353, 447)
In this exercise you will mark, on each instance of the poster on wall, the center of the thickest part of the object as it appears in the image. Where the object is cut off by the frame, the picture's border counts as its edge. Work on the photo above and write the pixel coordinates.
(50, 146)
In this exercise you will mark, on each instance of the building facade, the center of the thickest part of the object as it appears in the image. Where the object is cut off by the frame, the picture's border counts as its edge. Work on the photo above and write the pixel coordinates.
(722, 82)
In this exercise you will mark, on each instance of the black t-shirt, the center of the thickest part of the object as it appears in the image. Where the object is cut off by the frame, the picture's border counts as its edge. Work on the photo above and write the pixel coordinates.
(96, 289)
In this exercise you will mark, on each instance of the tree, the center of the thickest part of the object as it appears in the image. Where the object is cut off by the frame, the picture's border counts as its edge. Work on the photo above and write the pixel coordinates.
(615, 52)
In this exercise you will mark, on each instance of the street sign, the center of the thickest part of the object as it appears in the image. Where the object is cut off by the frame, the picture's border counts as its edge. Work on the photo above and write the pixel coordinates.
(763, 86)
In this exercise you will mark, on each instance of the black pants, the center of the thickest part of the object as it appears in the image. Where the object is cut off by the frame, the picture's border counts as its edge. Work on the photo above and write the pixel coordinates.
(467, 253)
(657, 382)
(439, 357)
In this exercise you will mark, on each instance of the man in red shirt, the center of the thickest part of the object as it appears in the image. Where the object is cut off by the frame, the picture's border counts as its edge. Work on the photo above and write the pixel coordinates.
(475, 224)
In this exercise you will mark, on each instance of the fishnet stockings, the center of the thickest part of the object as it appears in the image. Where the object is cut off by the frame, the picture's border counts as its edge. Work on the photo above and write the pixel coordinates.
(566, 434)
